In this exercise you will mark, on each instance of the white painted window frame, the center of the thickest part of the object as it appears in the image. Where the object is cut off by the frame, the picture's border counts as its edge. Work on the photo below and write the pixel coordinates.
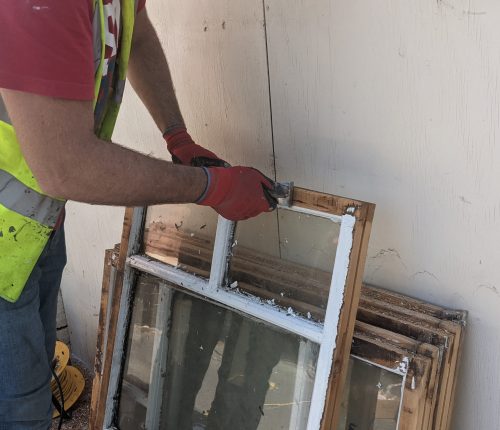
(324, 334)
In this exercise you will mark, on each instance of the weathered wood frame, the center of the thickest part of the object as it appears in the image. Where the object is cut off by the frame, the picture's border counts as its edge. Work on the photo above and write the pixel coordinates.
(418, 368)
(377, 354)
(334, 335)
(426, 323)
(415, 415)
(450, 320)
(109, 274)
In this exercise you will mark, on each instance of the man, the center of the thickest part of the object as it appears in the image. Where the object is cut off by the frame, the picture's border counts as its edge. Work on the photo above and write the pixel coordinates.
(62, 73)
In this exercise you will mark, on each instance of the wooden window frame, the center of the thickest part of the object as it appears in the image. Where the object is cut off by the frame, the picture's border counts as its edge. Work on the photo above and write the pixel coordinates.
(449, 327)
(446, 334)
(334, 335)
(419, 371)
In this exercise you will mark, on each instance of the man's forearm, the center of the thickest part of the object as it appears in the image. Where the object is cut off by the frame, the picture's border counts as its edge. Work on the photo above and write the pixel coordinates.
(150, 76)
(69, 161)
(110, 174)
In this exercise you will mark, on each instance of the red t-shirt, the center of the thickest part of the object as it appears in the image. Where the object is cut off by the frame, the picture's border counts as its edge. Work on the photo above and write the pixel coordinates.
(47, 46)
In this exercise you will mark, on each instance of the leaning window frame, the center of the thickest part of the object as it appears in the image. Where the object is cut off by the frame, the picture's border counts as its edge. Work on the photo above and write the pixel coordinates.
(354, 217)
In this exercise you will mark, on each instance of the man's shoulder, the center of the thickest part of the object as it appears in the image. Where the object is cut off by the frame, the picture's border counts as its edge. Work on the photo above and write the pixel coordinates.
(47, 49)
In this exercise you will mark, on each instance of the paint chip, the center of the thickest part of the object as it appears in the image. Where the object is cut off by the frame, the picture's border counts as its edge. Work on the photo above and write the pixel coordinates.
(403, 365)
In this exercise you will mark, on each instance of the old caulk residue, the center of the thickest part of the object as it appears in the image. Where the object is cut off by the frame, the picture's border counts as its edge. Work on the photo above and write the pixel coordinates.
(403, 365)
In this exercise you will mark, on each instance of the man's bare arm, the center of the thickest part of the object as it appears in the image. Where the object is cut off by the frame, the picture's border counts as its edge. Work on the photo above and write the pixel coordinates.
(150, 76)
(70, 162)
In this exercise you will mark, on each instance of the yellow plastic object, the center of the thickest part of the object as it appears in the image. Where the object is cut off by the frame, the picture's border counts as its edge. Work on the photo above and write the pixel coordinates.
(72, 384)
(61, 356)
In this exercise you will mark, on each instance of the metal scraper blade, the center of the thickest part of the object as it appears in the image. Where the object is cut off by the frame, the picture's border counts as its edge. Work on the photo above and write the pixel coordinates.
(283, 192)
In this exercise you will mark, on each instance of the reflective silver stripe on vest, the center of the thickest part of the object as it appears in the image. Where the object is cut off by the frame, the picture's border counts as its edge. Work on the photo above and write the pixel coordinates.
(17, 197)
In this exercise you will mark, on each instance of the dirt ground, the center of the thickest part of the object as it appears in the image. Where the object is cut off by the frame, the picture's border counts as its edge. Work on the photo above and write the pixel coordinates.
(81, 409)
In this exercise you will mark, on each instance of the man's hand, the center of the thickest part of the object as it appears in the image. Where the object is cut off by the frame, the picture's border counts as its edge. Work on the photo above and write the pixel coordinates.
(238, 193)
(150, 76)
(185, 151)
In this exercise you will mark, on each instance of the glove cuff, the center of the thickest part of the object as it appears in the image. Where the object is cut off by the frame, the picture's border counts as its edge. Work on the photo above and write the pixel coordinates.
(218, 186)
(173, 129)
(175, 136)
(199, 200)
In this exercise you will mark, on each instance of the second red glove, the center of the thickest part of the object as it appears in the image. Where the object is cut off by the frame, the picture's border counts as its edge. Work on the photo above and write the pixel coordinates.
(185, 151)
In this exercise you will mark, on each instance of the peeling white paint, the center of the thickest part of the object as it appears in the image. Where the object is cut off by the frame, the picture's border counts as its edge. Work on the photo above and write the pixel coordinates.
(403, 365)
(335, 301)
(322, 334)
(250, 305)
(313, 212)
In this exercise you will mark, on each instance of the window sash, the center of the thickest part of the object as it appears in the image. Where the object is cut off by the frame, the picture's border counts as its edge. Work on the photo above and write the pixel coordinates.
(324, 334)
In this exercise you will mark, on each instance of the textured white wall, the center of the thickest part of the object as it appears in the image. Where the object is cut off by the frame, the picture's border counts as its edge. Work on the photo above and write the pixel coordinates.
(394, 101)
(397, 102)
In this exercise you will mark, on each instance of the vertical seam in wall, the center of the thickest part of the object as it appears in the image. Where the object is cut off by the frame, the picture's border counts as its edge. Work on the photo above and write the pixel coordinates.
(269, 87)
(271, 115)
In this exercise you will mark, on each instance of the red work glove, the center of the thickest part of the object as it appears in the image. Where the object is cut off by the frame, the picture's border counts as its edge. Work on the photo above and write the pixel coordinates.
(238, 193)
(185, 151)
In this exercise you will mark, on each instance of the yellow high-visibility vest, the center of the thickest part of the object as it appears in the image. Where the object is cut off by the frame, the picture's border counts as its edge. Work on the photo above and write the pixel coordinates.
(27, 215)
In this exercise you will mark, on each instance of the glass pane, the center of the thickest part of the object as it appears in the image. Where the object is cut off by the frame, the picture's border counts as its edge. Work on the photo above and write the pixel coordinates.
(182, 236)
(220, 371)
(145, 330)
(287, 258)
(372, 397)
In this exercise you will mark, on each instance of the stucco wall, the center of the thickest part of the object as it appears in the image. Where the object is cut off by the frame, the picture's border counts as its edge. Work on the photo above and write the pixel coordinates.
(394, 102)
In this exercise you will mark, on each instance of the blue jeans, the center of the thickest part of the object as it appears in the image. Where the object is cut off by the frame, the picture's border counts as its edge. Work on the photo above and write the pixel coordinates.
(27, 342)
